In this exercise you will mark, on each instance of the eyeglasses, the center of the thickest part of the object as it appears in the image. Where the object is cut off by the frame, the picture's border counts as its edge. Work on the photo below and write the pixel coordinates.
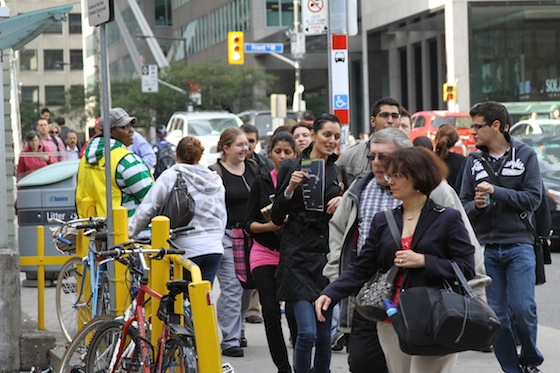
(386, 115)
(380, 156)
(478, 126)
(394, 176)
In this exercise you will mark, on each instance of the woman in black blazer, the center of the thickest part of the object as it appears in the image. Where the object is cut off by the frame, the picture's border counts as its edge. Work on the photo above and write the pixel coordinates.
(430, 236)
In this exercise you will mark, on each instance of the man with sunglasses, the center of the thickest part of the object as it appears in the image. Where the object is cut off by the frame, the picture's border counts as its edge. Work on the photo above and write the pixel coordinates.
(384, 113)
(500, 181)
(349, 228)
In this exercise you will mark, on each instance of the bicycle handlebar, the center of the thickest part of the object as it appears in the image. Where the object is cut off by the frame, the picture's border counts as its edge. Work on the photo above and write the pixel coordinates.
(159, 252)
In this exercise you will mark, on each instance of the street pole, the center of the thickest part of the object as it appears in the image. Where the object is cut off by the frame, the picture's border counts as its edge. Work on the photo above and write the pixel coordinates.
(296, 103)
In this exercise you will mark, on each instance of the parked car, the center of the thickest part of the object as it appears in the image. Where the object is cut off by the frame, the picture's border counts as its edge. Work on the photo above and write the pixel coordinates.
(262, 119)
(547, 148)
(207, 126)
(535, 127)
(427, 123)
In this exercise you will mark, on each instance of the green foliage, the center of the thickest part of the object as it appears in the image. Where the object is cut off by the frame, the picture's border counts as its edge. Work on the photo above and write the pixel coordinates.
(29, 114)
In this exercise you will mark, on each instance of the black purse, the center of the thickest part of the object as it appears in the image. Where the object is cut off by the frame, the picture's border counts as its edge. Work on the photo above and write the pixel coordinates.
(434, 321)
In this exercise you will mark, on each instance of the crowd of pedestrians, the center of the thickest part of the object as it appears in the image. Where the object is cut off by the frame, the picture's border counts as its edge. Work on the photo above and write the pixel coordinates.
(318, 234)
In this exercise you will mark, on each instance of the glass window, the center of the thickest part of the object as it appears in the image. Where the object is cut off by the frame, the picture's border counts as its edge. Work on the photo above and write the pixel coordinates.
(279, 13)
(55, 28)
(162, 12)
(514, 52)
(28, 60)
(75, 23)
(30, 93)
(418, 122)
(76, 59)
(54, 95)
(53, 59)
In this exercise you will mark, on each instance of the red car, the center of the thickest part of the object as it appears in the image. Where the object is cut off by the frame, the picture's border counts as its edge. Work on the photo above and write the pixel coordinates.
(426, 123)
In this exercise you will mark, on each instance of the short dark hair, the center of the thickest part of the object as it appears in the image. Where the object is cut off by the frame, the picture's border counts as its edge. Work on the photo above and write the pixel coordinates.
(189, 150)
(45, 110)
(384, 101)
(423, 141)
(298, 125)
(320, 121)
(60, 121)
(422, 165)
(404, 112)
(492, 111)
(249, 128)
(308, 115)
(30, 135)
(282, 136)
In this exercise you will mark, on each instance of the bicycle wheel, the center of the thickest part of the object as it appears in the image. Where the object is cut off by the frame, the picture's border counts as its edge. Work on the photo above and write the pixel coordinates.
(71, 305)
(179, 356)
(104, 344)
(73, 360)
(104, 297)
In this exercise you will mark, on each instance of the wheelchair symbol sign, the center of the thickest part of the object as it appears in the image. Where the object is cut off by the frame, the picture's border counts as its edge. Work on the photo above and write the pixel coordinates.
(341, 101)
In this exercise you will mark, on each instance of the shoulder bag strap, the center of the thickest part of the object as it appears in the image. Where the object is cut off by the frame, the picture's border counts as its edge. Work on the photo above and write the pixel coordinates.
(397, 237)
(462, 280)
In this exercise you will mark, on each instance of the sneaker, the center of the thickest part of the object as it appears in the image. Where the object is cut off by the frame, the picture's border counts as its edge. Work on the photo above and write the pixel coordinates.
(234, 351)
(339, 342)
(529, 369)
(254, 319)
(243, 342)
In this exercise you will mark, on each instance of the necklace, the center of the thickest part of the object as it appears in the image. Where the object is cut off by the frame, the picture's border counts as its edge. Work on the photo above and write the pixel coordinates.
(410, 217)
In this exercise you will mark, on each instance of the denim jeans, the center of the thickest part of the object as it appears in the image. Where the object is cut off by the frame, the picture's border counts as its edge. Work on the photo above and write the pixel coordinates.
(512, 296)
(311, 332)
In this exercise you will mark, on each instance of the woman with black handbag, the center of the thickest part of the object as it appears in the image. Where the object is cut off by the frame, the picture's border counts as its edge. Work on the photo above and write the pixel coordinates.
(430, 237)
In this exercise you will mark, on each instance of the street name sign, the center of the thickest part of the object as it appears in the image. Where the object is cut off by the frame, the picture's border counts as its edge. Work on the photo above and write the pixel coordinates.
(264, 48)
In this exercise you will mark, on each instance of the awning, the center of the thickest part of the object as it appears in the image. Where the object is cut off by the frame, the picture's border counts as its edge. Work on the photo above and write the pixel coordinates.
(19, 30)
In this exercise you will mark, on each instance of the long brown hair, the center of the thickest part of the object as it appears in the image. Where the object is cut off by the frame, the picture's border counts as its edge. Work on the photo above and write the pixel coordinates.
(446, 137)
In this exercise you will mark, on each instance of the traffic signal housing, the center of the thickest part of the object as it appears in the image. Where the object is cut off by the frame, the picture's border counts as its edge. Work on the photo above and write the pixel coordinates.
(449, 92)
(236, 48)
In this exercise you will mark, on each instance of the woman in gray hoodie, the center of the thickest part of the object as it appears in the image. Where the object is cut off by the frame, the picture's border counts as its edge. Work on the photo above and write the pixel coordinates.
(203, 244)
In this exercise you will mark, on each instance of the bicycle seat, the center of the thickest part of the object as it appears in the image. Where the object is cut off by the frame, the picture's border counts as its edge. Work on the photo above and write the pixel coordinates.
(177, 286)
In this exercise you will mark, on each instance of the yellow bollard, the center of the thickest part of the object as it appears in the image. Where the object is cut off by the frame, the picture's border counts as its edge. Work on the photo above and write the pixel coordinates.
(204, 319)
(120, 225)
(82, 246)
(41, 277)
(159, 272)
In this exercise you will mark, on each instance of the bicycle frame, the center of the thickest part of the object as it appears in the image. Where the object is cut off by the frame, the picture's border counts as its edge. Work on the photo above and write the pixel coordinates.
(89, 264)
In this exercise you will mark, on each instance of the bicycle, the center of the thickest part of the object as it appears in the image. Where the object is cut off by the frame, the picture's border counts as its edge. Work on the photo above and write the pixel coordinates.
(73, 306)
(123, 345)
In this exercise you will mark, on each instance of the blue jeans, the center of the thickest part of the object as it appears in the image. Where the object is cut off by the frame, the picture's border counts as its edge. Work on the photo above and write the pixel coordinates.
(311, 332)
(512, 296)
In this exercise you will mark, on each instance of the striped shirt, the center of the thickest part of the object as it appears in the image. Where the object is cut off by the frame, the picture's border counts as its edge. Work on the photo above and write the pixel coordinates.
(374, 198)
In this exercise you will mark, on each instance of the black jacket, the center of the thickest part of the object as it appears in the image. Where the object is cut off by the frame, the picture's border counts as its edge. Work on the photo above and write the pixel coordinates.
(305, 239)
(262, 194)
(445, 238)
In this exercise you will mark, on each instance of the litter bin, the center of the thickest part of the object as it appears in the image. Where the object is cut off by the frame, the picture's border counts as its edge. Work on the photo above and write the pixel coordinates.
(46, 193)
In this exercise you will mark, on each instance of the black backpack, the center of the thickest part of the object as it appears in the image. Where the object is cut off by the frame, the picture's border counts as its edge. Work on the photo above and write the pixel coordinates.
(165, 158)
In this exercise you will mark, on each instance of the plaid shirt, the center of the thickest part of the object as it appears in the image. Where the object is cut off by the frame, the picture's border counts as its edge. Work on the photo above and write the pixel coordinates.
(374, 198)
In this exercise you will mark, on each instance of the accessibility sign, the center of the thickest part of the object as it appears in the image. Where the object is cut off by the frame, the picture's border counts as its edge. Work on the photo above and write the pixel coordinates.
(340, 101)
(264, 48)
(314, 17)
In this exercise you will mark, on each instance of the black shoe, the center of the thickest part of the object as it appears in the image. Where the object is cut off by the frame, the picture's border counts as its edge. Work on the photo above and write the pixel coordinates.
(243, 342)
(530, 369)
(339, 342)
(254, 319)
(234, 351)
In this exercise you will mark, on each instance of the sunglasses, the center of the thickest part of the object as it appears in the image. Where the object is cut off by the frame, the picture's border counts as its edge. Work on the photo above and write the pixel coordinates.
(380, 156)
(53, 132)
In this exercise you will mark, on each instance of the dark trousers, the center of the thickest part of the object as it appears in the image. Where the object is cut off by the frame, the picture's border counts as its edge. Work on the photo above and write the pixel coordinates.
(364, 351)
(266, 285)
(208, 264)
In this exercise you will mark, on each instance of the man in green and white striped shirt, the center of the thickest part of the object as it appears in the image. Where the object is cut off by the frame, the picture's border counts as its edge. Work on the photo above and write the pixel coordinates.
(132, 178)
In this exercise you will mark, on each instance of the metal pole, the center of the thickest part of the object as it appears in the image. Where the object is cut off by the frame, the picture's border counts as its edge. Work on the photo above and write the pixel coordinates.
(106, 133)
(296, 106)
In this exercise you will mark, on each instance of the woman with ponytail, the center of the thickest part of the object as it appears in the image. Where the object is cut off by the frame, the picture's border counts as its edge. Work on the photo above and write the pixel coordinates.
(446, 138)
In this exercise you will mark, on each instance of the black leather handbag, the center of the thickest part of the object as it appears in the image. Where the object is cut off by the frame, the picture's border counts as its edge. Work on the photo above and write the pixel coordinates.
(369, 301)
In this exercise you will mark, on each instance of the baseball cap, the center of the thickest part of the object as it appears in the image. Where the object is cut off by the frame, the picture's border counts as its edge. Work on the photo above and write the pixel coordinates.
(118, 117)
(161, 130)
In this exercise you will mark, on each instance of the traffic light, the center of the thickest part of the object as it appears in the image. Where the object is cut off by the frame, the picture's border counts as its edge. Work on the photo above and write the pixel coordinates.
(236, 48)
(449, 92)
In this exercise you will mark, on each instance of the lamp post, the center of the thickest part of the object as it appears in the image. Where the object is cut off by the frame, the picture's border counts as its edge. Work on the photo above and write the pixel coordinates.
(183, 40)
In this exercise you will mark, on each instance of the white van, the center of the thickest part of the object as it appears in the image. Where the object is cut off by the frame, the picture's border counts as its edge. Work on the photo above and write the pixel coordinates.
(207, 126)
